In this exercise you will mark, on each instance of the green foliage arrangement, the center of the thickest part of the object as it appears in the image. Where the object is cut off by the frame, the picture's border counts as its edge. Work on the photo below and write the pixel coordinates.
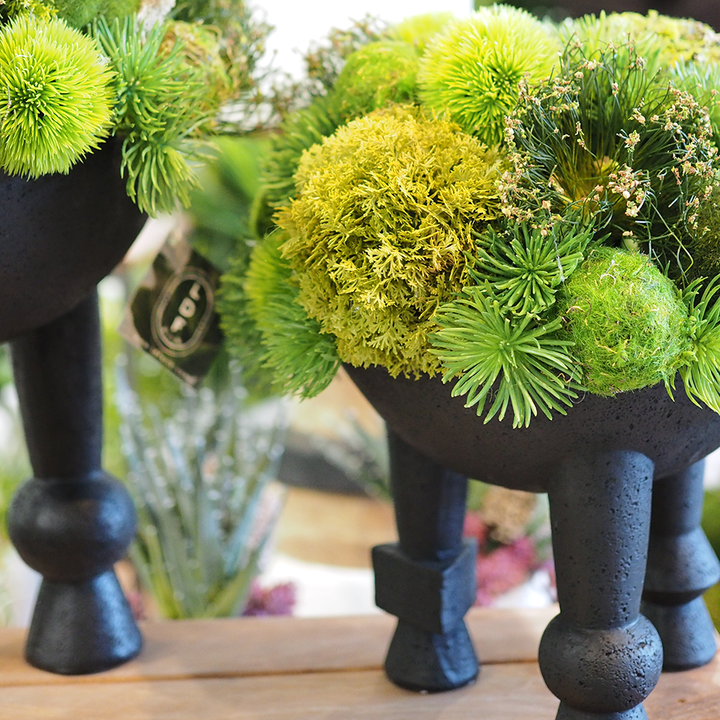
(75, 73)
(537, 219)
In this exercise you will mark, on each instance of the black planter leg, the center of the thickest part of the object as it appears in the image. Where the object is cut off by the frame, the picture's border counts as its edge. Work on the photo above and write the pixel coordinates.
(599, 655)
(427, 580)
(681, 567)
(72, 521)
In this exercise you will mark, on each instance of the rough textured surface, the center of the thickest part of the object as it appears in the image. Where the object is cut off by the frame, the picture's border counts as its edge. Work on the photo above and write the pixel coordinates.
(674, 435)
(60, 235)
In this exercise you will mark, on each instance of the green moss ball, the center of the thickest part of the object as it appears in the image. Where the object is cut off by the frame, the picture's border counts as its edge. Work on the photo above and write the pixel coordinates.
(375, 76)
(380, 228)
(472, 69)
(627, 321)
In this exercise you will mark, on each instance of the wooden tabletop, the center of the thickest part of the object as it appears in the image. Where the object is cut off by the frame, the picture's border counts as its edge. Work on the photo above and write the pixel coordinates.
(319, 669)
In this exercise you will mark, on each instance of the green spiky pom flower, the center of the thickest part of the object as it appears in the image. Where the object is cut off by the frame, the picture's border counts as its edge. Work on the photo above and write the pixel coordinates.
(264, 299)
(472, 69)
(517, 362)
(627, 321)
(418, 30)
(57, 96)
(375, 76)
(524, 267)
(379, 230)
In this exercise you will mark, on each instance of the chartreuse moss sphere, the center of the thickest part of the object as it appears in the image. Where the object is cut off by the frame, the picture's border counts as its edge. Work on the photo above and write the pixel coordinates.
(57, 98)
(626, 318)
(79, 13)
(472, 70)
(375, 76)
(379, 229)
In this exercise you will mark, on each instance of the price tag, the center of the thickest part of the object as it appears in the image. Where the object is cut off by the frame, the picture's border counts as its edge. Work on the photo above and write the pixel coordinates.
(172, 314)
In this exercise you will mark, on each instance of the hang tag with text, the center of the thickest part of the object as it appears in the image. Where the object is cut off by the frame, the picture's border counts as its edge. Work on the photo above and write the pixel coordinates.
(172, 313)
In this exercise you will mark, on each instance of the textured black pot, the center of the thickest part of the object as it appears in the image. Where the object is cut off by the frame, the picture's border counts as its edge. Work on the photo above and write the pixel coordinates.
(60, 236)
(624, 480)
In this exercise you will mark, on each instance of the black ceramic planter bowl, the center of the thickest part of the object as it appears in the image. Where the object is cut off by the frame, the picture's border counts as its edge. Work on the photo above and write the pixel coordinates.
(60, 236)
(624, 481)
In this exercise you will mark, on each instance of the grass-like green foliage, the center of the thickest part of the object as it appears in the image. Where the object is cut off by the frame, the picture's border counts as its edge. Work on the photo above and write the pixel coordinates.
(379, 230)
(10, 9)
(661, 39)
(525, 267)
(80, 13)
(57, 96)
(610, 138)
(701, 374)
(516, 362)
(418, 30)
(160, 106)
(298, 132)
(627, 321)
(704, 246)
(263, 298)
(375, 76)
(471, 71)
(702, 81)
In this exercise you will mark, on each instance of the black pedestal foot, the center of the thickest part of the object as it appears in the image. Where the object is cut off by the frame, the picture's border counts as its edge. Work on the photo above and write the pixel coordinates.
(427, 580)
(567, 713)
(600, 657)
(58, 640)
(72, 522)
(423, 661)
(687, 633)
(681, 566)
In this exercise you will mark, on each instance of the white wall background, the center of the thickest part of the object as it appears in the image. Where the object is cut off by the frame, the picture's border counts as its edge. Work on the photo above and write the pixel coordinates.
(299, 22)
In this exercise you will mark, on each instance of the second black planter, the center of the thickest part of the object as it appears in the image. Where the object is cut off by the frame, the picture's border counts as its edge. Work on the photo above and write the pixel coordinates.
(600, 464)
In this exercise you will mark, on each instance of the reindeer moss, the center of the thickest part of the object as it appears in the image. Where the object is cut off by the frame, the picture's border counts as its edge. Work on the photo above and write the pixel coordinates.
(628, 323)
(375, 76)
(379, 230)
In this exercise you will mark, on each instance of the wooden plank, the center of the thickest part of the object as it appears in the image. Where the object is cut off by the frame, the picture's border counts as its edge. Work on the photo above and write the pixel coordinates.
(504, 692)
(257, 646)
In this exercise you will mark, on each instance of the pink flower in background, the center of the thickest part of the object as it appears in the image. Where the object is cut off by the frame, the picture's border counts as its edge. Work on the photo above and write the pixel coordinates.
(275, 600)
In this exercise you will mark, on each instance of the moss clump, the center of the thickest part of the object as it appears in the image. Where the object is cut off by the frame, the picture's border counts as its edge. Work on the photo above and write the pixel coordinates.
(375, 76)
(57, 96)
(80, 13)
(628, 323)
(472, 70)
(385, 212)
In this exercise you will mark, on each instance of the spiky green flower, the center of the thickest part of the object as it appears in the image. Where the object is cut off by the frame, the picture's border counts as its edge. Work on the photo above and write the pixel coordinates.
(379, 230)
(375, 76)
(701, 374)
(304, 359)
(472, 70)
(525, 267)
(57, 96)
(517, 362)
(627, 321)
(161, 134)
(418, 30)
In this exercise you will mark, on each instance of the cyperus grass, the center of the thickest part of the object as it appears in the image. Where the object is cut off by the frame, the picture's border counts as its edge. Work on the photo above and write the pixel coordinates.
(57, 96)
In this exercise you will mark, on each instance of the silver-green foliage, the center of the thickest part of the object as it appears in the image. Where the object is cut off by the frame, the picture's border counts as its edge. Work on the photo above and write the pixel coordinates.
(199, 476)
